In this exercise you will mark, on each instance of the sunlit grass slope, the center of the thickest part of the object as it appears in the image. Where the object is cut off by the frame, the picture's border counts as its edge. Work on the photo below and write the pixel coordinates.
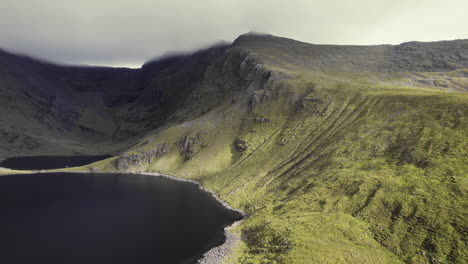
(344, 173)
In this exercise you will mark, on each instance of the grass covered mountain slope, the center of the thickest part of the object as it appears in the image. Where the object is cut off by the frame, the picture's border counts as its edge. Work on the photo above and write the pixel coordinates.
(338, 154)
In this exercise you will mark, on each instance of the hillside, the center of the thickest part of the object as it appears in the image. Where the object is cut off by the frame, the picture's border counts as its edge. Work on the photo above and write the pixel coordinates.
(338, 154)
(61, 110)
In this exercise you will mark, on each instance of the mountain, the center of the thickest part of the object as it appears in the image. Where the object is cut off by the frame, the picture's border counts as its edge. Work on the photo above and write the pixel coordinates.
(61, 110)
(338, 154)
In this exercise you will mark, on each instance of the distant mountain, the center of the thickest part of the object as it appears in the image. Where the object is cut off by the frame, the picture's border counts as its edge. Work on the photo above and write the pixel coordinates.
(338, 154)
(58, 110)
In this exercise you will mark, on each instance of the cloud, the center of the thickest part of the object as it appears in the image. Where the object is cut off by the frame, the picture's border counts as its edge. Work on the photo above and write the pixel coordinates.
(129, 32)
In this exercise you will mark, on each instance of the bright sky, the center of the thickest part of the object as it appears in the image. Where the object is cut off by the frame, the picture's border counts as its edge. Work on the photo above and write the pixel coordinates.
(130, 32)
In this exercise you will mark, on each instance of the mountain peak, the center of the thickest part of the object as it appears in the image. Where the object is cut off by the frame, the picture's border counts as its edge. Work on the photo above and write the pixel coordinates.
(253, 36)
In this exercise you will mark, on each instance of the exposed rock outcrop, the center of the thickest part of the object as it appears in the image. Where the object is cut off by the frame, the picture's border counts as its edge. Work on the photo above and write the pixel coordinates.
(190, 145)
(240, 144)
(127, 161)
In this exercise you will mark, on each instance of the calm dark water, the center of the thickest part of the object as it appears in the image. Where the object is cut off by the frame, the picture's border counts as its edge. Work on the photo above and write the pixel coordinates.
(49, 162)
(106, 218)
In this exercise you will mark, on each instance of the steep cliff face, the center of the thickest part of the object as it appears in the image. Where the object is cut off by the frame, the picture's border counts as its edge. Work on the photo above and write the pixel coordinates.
(339, 154)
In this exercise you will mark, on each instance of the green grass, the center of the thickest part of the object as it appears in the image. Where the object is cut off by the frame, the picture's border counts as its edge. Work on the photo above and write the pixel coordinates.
(5, 171)
(366, 174)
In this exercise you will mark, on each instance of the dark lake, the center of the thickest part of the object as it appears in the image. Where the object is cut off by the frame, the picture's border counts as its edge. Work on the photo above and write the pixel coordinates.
(49, 162)
(106, 218)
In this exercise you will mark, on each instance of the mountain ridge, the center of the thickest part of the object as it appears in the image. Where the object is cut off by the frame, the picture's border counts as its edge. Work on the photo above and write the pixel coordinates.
(247, 37)
(408, 56)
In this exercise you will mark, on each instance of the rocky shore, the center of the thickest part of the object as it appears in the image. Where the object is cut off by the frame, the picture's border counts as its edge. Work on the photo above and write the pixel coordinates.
(217, 254)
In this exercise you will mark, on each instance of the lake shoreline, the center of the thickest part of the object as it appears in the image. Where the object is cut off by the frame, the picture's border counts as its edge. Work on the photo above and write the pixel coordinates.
(215, 255)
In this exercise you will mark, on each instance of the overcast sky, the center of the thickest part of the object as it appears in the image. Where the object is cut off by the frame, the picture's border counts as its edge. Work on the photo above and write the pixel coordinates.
(129, 32)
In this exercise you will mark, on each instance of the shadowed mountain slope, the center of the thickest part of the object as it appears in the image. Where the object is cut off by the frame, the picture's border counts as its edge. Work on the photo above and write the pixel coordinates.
(57, 110)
